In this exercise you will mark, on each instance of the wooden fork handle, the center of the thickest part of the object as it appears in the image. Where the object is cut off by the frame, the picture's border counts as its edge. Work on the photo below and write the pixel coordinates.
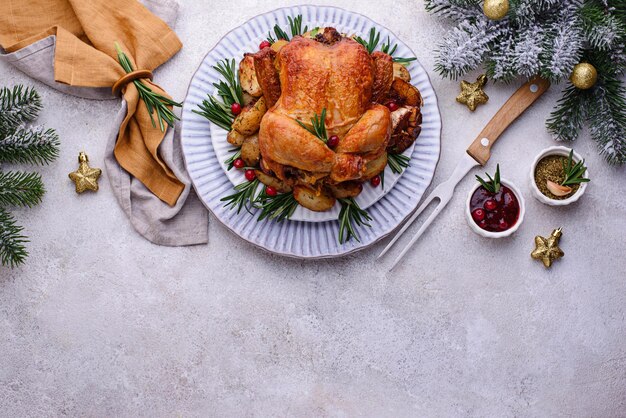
(521, 100)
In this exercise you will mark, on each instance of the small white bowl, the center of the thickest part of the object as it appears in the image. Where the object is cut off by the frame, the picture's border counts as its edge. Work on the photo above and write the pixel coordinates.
(489, 234)
(555, 150)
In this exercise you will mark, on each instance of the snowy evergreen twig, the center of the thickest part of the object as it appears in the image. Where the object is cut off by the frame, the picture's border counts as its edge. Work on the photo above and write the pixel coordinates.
(548, 38)
(20, 144)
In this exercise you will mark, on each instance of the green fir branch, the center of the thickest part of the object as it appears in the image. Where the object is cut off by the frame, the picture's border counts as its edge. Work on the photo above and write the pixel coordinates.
(29, 146)
(17, 106)
(12, 249)
(19, 188)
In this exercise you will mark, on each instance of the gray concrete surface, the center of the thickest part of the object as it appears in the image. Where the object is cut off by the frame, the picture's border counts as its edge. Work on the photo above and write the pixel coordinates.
(101, 323)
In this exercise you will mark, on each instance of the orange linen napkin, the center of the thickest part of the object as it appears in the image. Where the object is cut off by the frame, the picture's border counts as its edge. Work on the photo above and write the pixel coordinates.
(86, 32)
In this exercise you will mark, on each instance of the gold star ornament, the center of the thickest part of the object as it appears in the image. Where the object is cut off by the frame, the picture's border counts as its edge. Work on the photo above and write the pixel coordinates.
(85, 178)
(547, 249)
(472, 94)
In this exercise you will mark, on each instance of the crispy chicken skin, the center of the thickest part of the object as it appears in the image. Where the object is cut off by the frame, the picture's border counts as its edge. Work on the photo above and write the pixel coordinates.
(267, 75)
(333, 73)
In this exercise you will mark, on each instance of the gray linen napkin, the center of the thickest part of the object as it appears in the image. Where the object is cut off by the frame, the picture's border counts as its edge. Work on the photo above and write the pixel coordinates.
(186, 223)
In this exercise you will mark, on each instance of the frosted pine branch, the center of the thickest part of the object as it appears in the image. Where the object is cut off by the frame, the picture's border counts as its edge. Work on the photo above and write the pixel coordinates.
(607, 120)
(464, 48)
(30, 145)
(562, 48)
(18, 106)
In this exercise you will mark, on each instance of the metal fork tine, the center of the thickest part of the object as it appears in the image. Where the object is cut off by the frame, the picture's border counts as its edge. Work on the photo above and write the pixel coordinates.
(408, 223)
(442, 204)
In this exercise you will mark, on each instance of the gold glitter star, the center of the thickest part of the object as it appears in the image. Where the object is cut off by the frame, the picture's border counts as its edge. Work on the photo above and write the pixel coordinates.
(547, 249)
(86, 178)
(472, 94)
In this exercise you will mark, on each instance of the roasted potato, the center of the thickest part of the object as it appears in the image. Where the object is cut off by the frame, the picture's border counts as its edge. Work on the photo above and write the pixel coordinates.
(235, 138)
(247, 76)
(277, 46)
(374, 167)
(400, 71)
(249, 120)
(405, 93)
(279, 185)
(317, 201)
(346, 189)
(250, 152)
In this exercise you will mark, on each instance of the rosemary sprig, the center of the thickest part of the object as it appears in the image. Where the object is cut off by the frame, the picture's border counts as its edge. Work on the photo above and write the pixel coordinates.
(318, 127)
(278, 207)
(295, 26)
(351, 215)
(230, 91)
(216, 112)
(397, 162)
(493, 185)
(154, 102)
(574, 174)
(244, 195)
(372, 43)
(231, 160)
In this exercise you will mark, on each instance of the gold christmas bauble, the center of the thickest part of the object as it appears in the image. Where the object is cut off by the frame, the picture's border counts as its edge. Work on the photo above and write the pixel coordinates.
(496, 9)
(584, 76)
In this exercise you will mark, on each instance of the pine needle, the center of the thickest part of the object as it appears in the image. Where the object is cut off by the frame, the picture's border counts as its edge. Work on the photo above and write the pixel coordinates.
(18, 106)
(19, 188)
(29, 146)
(12, 249)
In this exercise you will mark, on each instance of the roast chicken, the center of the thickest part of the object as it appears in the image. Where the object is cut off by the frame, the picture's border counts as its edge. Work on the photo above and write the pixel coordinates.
(333, 75)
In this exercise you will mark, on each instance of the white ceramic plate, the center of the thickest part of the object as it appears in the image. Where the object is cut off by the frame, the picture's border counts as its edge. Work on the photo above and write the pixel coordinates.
(308, 234)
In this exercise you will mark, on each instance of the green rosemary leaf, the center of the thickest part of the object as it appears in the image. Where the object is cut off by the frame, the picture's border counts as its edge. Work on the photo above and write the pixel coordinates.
(231, 160)
(243, 196)
(278, 208)
(493, 185)
(349, 215)
(574, 175)
(397, 162)
(155, 103)
(318, 126)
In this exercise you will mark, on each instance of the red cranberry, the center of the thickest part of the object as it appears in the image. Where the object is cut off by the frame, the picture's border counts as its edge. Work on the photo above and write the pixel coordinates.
(238, 163)
(490, 205)
(503, 225)
(393, 106)
(235, 108)
(483, 224)
(478, 215)
(264, 44)
(270, 191)
(250, 175)
(375, 181)
(333, 141)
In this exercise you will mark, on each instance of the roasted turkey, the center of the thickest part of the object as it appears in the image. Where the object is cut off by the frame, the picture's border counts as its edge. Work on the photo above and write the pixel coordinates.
(334, 74)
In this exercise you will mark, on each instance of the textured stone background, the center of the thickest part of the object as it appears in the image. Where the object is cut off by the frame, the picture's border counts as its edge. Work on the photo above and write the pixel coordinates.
(100, 322)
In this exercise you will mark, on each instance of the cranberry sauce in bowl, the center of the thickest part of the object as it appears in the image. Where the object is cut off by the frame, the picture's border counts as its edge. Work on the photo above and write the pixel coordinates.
(494, 212)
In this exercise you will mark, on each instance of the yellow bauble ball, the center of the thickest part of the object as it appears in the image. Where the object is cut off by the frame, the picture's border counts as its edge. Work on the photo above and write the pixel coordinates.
(584, 76)
(496, 9)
